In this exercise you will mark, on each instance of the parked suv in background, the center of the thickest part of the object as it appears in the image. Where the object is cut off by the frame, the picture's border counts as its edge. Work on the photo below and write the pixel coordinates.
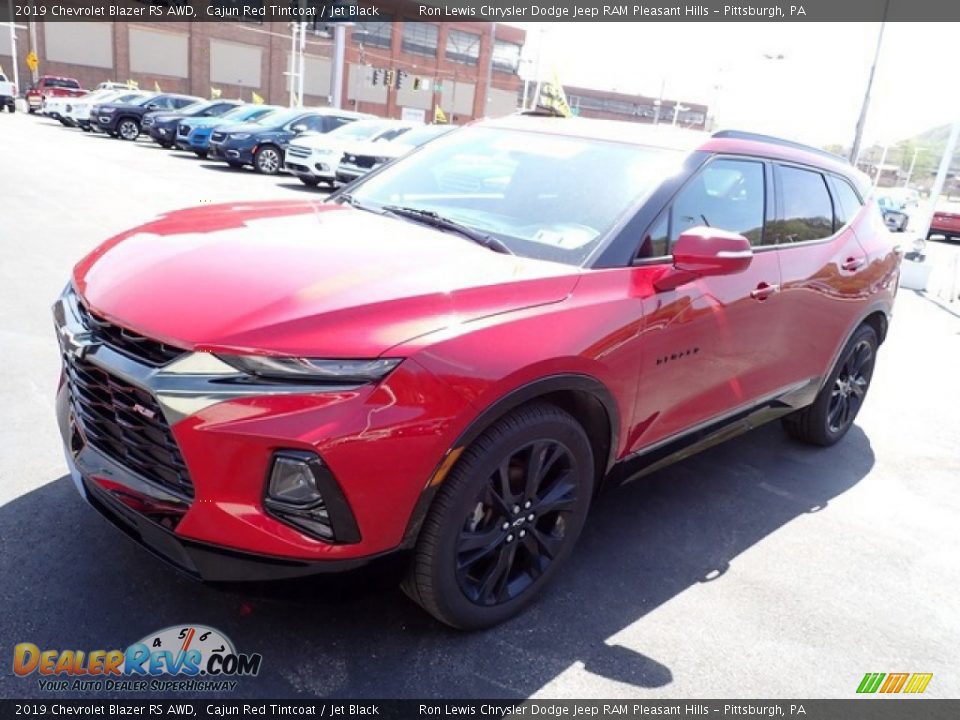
(8, 94)
(77, 111)
(124, 120)
(51, 86)
(161, 125)
(450, 359)
(362, 158)
(314, 158)
(262, 143)
(194, 133)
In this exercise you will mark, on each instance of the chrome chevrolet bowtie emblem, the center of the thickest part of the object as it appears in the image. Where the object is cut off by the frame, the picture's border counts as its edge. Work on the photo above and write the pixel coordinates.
(75, 343)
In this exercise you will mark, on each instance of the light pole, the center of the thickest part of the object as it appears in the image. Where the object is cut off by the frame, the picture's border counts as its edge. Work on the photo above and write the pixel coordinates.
(941, 176)
(913, 164)
(677, 109)
(337, 66)
(13, 48)
(862, 120)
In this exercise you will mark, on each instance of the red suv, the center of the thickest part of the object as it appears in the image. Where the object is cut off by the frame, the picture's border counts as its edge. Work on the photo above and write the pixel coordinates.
(450, 357)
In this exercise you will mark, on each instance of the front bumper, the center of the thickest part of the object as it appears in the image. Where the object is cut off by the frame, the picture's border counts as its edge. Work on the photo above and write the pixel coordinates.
(380, 451)
(162, 134)
(232, 152)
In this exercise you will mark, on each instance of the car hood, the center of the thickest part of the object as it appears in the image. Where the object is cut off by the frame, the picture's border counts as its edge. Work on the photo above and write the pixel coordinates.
(317, 141)
(206, 122)
(304, 278)
(166, 116)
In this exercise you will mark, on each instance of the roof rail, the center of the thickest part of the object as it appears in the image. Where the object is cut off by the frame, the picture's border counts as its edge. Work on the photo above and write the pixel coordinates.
(743, 135)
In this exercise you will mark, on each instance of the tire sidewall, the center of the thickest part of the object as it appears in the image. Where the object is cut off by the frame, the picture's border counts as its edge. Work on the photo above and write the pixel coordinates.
(466, 483)
(120, 126)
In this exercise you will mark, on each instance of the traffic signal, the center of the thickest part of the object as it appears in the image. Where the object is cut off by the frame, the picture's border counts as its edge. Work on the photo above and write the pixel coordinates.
(401, 78)
(375, 77)
(417, 82)
(388, 77)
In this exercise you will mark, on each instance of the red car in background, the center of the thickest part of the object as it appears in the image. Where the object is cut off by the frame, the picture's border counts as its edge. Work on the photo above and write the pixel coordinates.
(51, 86)
(945, 222)
(451, 356)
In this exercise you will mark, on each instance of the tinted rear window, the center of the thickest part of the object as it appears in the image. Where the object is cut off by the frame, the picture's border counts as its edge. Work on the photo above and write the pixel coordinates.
(57, 82)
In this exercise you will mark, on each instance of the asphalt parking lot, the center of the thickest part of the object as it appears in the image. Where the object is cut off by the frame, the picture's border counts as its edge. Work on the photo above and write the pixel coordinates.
(761, 568)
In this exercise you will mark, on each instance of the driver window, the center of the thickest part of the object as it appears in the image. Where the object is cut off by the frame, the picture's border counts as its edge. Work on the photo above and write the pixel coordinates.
(726, 194)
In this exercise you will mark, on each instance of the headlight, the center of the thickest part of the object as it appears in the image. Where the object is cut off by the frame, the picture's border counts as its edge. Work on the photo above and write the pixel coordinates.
(239, 136)
(307, 369)
(108, 110)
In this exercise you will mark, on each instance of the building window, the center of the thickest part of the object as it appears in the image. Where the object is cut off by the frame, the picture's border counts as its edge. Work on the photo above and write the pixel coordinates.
(420, 39)
(506, 56)
(374, 34)
(463, 47)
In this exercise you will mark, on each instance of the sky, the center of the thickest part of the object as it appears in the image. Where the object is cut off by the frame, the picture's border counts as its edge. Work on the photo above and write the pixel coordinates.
(813, 94)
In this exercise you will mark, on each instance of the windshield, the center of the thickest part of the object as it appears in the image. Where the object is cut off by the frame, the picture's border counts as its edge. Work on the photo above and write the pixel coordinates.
(196, 107)
(419, 136)
(356, 131)
(61, 83)
(281, 117)
(544, 196)
(144, 100)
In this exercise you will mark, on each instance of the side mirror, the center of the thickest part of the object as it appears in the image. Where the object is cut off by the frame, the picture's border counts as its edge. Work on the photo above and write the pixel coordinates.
(298, 128)
(152, 106)
(704, 251)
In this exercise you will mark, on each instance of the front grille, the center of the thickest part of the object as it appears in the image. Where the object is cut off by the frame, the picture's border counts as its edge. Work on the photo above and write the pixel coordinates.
(126, 423)
(183, 130)
(218, 137)
(297, 151)
(137, 347)
(364, 161)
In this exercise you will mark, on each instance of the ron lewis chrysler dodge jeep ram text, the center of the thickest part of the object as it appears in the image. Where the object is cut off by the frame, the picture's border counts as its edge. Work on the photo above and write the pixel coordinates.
(450, 357)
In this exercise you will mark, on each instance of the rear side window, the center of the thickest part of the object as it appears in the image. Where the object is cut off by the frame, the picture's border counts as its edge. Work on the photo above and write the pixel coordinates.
(726, 194)
(848, 202)
(807, 211)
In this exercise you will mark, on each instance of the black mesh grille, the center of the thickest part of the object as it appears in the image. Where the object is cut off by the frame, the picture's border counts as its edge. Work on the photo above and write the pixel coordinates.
(137, 347)
(126, 423)
(218, 136)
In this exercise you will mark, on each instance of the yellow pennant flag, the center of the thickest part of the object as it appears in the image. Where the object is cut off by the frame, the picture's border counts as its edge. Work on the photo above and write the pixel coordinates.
(553, 98)
(133, 84)
(156, 87)
(1, 70)
(439, 116)
(257, 100)
(215, 93)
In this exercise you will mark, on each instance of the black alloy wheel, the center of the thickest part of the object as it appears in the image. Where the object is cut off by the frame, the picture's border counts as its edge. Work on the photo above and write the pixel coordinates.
(518, 522)
(840, 399)
(850, 387)
(505, 519)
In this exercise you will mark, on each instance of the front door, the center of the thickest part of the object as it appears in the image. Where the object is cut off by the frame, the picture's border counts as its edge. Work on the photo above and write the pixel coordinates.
(706, 345)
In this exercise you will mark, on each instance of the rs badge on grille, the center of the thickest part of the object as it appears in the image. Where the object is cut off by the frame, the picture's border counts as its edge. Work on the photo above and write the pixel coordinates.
(146, 412)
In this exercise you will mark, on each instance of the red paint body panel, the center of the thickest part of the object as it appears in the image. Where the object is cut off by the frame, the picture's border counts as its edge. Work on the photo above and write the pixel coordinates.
(313, 280)
(944, 221)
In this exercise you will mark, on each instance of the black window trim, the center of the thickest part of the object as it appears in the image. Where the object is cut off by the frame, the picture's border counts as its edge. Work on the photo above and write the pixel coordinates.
(824, 174)
(769, 199)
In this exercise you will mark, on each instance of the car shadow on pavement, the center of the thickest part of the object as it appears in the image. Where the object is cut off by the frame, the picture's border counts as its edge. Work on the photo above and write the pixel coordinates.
(72, 580)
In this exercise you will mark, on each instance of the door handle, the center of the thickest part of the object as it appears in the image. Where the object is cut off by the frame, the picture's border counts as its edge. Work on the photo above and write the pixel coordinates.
(763, 291)
(852, 264)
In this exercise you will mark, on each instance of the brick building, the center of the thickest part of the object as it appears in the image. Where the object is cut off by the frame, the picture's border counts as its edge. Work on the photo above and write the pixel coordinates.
(611, 105)
(241, 58)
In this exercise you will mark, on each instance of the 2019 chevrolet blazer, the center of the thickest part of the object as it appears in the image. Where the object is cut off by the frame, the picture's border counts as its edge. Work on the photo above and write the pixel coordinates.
(452, 356)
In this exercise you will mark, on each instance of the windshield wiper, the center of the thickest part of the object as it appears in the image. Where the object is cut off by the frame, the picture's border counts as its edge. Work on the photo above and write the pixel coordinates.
(433, 219)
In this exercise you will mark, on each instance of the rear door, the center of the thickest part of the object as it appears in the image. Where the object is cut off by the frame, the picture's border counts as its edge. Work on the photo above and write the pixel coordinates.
(822, 264)
(706, 345)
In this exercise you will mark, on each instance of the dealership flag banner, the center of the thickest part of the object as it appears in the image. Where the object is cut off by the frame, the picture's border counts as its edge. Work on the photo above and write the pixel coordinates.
(553, 98)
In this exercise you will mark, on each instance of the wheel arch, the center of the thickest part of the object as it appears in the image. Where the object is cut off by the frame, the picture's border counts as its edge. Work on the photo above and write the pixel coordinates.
(583, 396)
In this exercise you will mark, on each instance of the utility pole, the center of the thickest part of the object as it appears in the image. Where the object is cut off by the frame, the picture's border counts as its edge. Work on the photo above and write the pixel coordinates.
(913, 164)
(292, 73)
(883, 160)
(337, 66)
(862, 120)
(13, 47)
(536, 71)
(301, 63)
(486, 93)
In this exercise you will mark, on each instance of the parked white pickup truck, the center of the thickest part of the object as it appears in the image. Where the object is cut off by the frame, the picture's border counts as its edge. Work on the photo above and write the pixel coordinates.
(8, 94)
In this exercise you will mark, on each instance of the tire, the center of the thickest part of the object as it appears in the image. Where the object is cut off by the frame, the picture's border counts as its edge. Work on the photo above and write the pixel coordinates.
(268, 160)
(309, 181)
(831, 415)
(234, 165)
(128, 129)
(509, 544)
(202, 154)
